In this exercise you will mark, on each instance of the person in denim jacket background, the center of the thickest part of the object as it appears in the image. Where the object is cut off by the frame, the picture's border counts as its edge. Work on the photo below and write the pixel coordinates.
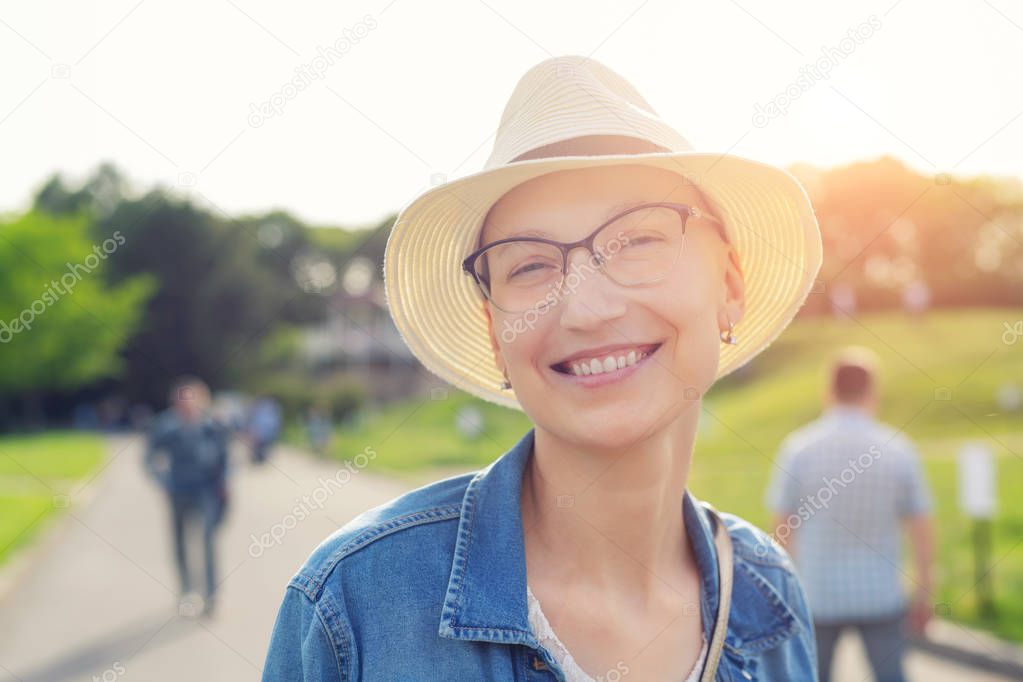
(586, 279)
(187, 455)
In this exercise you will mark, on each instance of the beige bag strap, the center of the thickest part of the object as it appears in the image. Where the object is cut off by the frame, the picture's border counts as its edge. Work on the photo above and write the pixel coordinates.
(723, 543)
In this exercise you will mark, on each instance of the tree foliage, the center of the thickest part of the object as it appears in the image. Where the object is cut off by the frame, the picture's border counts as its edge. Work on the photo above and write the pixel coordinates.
(224, 286)
(62, 324)
(886, 226)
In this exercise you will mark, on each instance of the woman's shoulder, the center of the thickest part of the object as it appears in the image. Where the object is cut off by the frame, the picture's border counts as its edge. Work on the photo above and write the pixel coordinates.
(763, 562)
(770, 615)
(753, 544)
(386, 532)
(384, 571)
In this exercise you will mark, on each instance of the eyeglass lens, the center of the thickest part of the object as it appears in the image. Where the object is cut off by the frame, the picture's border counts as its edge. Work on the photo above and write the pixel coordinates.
(639, 246)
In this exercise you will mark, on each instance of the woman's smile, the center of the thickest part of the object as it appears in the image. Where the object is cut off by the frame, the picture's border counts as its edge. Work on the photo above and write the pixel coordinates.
(591, 370)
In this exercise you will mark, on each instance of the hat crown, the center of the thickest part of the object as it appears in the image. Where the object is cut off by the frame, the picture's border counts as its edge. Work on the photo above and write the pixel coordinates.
(572, 96)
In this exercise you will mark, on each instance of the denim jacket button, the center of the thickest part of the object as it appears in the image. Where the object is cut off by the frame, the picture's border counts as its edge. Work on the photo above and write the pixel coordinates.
(538, 663)
(745, 673)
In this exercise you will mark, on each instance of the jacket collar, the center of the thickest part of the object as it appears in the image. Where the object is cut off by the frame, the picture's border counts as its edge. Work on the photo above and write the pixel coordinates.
(486, 593)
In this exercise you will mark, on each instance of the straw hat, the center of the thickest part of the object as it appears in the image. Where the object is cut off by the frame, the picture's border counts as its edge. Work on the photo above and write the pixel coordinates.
(437, 307)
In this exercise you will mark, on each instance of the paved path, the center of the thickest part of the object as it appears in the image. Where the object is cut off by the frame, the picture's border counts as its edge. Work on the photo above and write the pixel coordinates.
(851, 666)
(99, 601)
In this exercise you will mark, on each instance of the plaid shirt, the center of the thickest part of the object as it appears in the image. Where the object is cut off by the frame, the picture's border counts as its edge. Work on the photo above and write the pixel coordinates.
(844, 482)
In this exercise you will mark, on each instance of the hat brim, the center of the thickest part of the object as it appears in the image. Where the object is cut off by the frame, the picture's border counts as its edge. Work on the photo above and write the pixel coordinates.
(438, 309)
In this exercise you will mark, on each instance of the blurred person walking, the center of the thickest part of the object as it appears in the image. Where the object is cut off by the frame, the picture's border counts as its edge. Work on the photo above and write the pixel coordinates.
(840, 489)
(187, 455)
(318, 428)
(264, 428)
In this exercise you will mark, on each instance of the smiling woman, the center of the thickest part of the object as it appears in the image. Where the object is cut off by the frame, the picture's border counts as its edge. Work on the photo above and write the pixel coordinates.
(634, 272)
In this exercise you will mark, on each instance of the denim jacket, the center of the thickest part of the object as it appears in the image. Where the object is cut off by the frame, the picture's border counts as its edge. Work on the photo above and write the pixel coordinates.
(432, 586)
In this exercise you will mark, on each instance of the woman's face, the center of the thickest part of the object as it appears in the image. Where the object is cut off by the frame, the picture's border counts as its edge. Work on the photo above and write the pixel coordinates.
(678, 317)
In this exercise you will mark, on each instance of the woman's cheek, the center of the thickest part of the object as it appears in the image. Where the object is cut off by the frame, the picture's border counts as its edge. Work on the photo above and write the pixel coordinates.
(520, 346)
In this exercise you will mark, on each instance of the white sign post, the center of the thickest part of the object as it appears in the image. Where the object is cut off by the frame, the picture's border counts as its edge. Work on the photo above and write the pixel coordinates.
(977, 498)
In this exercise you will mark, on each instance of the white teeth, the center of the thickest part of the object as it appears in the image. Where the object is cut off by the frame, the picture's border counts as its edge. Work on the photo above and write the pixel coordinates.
(609, 364)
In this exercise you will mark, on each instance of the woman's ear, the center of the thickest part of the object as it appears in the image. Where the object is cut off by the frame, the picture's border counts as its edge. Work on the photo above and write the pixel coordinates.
(733, 298)
(493, 337)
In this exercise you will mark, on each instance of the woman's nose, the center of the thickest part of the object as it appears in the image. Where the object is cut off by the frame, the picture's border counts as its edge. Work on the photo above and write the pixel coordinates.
(588, 297)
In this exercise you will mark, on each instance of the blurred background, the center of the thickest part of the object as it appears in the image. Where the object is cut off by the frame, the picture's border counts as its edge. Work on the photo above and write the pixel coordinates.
(206, 189)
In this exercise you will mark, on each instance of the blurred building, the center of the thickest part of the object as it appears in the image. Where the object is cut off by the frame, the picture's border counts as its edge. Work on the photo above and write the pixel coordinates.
(359, 339)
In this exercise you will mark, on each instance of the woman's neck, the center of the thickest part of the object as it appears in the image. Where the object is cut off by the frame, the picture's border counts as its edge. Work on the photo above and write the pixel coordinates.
(610, 518)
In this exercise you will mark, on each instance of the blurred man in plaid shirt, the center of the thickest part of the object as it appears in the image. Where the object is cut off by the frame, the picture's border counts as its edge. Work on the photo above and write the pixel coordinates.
(842, 489)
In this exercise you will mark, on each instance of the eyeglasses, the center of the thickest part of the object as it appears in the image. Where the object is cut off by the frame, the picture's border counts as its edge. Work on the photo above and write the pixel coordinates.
(638, 246)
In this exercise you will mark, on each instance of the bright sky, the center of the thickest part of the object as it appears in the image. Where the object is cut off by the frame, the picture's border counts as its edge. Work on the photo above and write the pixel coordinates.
(165, 89)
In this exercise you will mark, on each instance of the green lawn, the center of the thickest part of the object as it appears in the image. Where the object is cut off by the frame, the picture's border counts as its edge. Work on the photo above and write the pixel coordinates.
(956, 576)
(940, 375)
(36, 474)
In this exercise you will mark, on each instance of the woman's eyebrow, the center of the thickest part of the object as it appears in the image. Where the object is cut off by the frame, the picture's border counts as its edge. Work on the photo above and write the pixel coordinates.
(619, 207)
(526, 233)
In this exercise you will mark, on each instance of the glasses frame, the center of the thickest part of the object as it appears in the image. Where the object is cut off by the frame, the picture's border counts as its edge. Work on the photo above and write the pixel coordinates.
(685, 212)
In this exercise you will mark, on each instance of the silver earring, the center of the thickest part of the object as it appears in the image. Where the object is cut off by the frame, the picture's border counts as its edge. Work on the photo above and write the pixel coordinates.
(506, 384)
(727, 336)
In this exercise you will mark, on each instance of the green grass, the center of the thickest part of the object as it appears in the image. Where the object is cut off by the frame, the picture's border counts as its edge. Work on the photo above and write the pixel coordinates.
(415, 438)
(958, 354)
(58, 454)
(21, 517)
(956, 576)
(34, 471)
(960, 351)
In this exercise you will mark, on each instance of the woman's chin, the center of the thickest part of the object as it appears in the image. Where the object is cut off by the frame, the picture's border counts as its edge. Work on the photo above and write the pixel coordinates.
(597, 429)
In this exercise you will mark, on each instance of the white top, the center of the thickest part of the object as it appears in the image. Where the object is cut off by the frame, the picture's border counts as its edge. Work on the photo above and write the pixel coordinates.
(573, 673)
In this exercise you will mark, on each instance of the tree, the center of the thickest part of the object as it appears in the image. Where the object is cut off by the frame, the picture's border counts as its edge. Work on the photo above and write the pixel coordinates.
(61, 324)
(224, 286)
(885, 226)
